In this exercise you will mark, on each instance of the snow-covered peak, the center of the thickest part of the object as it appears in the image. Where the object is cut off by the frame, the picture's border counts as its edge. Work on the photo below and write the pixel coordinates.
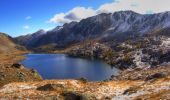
(56, 29)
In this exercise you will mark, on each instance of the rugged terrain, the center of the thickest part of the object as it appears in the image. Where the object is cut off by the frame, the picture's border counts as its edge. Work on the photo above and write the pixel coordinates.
(138, 44)
(133, 83)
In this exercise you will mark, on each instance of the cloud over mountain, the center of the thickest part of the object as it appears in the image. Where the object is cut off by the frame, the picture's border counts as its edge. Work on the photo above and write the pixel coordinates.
(76, 14)
(140, 6)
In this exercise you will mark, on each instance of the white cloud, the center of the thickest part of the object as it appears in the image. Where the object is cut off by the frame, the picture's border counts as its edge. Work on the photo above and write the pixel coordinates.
(59, 18)
(140, 6)
(26, 27)
(76, 14)
(28, 17)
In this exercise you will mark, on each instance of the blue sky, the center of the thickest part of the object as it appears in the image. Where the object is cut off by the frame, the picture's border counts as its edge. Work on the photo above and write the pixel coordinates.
(38, 12)
(19, 17)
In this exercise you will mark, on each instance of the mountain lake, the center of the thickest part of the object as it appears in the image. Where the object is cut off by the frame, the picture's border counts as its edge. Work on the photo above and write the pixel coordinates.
(61, 66)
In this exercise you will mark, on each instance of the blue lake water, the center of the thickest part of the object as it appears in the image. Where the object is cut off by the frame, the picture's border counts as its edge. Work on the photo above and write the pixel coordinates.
(60, 66)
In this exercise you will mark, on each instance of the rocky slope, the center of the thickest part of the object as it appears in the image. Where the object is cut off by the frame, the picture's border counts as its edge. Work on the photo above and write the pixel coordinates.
(145, 52)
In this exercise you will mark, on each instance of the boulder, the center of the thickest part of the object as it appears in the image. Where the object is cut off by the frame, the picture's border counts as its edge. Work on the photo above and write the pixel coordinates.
(17, 65)
(50, 87)
(82, 79)
(155, 76)
(2, 76)
(70, 95)
(130, 90)
(21, 76)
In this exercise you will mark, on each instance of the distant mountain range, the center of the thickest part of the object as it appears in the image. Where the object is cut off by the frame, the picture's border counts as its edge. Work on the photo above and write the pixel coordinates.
(118, 26)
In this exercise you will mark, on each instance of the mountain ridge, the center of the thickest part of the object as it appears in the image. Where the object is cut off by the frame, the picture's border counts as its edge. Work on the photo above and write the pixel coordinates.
(116, 25)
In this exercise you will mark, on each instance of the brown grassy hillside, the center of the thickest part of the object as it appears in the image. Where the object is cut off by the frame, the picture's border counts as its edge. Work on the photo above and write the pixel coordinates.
(10, 52)
(7, 45)
(10, 55)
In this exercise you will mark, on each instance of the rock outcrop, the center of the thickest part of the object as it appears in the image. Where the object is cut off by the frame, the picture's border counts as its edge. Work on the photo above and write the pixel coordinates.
(17, 73)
